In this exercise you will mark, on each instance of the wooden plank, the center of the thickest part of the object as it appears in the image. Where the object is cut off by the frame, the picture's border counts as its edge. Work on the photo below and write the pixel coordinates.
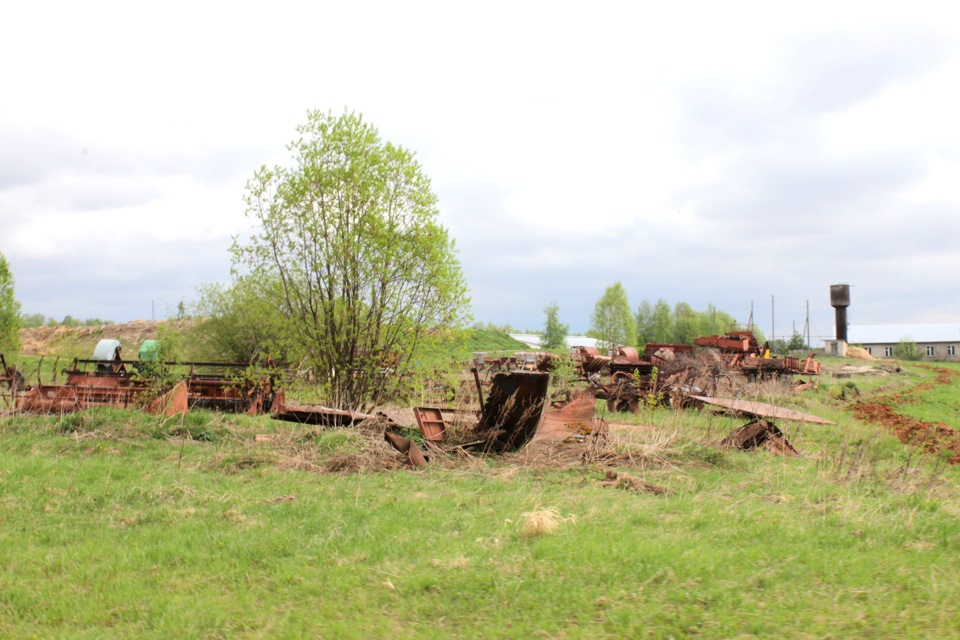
(762, 410)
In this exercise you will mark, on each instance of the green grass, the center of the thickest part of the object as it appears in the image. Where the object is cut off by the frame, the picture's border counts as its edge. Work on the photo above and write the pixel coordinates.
(940, 404)
(483, 340)
(114, 524)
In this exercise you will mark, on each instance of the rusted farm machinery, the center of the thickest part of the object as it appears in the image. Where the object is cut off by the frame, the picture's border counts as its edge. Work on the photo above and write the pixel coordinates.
(107, 380)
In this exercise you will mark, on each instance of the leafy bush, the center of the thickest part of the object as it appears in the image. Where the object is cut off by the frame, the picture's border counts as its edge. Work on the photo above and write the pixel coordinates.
(906, 349)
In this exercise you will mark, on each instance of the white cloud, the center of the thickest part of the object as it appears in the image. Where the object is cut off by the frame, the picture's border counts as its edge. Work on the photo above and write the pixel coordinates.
(707, 152)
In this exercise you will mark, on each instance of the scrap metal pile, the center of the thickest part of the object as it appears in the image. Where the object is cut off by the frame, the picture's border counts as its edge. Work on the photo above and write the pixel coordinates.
(168, 388)
(516, 410)
(670, 374)
(739, 349)
(513, 406)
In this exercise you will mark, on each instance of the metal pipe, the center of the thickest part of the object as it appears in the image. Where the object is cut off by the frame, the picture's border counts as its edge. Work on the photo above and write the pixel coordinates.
(841, 323)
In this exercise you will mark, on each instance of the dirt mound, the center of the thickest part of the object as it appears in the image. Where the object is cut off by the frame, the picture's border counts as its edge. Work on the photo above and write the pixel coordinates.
(859, 353)
(80, 341)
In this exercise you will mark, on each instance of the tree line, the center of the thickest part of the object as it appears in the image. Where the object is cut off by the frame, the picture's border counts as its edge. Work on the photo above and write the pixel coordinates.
(615, 323)
(659, 323)
(31, 320)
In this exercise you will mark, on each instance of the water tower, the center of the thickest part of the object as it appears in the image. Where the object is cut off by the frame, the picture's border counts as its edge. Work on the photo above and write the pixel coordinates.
(840, 300)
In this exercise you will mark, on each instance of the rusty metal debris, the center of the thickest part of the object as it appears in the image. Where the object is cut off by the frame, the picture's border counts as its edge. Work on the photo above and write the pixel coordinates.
(158, 387)
(760, 433)
(619, 480)
(761, 410)
(776, 366)
(588, 360)
(742, 352)
(573, 415)
(627, 393)
(103, 392)
(511, 417)
(316, 414)
(431, 423)
(734, 342)
(407, 447)
(671, 374)
(12, 379)
(627, 360)
(173, 402)
(513, 410)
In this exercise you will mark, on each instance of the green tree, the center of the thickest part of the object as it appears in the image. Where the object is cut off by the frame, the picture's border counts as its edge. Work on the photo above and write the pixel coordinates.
(662, 327)
(758, 334)
(686, 323)
(795, 343)
(366, 273)
(715, 322)
(644, 323)
(612, 321)
(712, 321)
(241, 322)
(29, 320)
(9, 310)
(554, 333)
(906, 349)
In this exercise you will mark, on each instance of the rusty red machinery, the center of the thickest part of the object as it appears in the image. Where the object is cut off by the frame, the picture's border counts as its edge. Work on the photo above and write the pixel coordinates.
(154, 386)
(734, 342)
(108, 386)
(231, 387)
(776, 366)
(672, 374)
(627, 360)
(658, 353)
(67, 398)
(588, 360)
(11, 382)
(741, 351)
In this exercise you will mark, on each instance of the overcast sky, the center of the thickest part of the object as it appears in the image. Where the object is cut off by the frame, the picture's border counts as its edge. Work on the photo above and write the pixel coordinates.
(712, 153)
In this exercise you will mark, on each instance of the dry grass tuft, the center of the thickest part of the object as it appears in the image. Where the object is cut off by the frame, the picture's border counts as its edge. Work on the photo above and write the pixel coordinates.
(652, 447)
(543, 522)
(768, 390)
(299, 451)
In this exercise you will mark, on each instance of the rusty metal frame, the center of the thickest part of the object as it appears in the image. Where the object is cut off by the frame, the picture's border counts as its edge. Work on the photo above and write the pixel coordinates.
(431, 423)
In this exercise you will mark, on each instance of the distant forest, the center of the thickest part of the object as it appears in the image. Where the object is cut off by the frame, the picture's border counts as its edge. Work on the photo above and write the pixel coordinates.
(31, 320)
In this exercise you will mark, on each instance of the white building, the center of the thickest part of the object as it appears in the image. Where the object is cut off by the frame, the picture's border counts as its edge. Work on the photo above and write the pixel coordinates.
(533, 340)
(934, 341)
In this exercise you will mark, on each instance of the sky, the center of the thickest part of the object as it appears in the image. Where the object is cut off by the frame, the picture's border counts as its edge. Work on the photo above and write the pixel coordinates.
(736, 154)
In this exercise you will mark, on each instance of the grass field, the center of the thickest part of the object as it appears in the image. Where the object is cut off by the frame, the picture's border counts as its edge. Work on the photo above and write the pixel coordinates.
(114, 524)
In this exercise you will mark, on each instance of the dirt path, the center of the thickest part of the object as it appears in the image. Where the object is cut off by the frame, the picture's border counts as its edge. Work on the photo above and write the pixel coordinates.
(930, 437)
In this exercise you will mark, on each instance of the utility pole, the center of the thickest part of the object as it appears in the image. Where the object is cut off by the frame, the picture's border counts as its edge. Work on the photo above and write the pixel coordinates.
(773, 326)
